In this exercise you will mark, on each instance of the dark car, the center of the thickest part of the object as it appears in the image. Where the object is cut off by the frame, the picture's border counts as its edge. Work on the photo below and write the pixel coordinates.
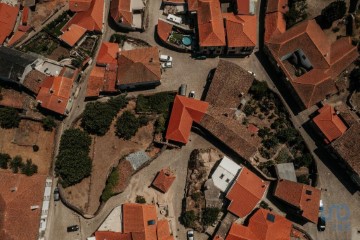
(73, 228)
(56, 194)
(321, 224)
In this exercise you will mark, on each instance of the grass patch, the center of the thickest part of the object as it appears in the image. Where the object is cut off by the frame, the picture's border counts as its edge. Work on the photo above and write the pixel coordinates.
(111, 182)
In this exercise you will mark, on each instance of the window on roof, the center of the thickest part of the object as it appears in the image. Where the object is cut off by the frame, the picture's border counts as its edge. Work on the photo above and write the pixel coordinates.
(270, 217)
(222, 176)
(151, 222)
(227, 180)
(308, 192)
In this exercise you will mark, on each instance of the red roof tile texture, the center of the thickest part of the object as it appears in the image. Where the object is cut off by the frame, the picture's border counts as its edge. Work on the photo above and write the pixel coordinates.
(329, 123)
(301, 196)
(210, 24)
(18, 221)
(73, 34)
(245, 193)
(17, 36)
(55, 93)
(327, 60)
(275, 24)
(164, 179)
(243, 6)
(139, 66)
(91, 20)
(192, 5)
(107, 235)
(163, 230)
(101, 80)
(8, 15)
(80, 5)
(184, 112)
(108, 53)
(263, 225)
(25, 15)
(164, 29)
(277, 6)
(120, 10)
(240, 30)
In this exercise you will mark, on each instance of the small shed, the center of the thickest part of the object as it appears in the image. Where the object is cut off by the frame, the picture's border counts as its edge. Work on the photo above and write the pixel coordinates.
(286, 171)
(164, 179)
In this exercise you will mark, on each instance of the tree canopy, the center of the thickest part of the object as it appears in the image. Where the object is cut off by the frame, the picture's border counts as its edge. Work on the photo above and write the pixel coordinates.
(334, 11)
(210, 216)
(48, 123)
(9, 118)
(4, 160)
(128, 124)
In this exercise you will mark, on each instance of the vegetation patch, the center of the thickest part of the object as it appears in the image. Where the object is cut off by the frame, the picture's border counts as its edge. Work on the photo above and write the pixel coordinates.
(111, 183)
(16, 164)
(54, 28)
(297, 12)
(73, 162)
(128, 124)
(49, 123)
(9, 118)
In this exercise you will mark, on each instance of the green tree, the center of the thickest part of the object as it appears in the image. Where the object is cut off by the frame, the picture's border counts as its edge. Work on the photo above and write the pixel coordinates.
(76, 62)
(334, 11)
(355, 80)
(263, 132)
(157, 103)
(140, 199)
(127, 125)
(270, 142)
(249, 110)
(76, 140)
(188, 218)
(259, 89)
(48, 123)
(29, 168)
(210, 216)
(303, 179)
(160, 124)
(4, 160)
(16, 163)
(111, 182)
(287, 135)
(297, 12)
(9, 118)
(303, 161)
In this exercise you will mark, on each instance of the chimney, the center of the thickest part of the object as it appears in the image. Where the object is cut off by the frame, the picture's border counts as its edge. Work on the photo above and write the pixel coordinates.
(14, 189)
(151, 60)
(34, 207)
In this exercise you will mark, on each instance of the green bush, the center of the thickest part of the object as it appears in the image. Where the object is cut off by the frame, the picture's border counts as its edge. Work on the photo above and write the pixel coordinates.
(259, 89)
(249, 110)
(48, 123)
(196, 196)
(9, 118)
(140, 199)
(297, 12)
(287, 135)
(188, 218)
(210, 215)
(111, 182)
(303, 179)
(303, 161)
(16, 164)
(157, 103)
(75, 140)
(334, 11)
(29, 168)
(4, 160)
(98, 116)
(127, 125)
(160, 124)
(270, 142)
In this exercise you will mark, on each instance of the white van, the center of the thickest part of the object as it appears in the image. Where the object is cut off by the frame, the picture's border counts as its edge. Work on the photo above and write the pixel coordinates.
(174, 18)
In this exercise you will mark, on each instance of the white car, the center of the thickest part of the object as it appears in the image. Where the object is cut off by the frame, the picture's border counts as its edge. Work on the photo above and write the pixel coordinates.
(165, 58)
(321, 205)
(166, 65)
(190, 235)
(192, 94)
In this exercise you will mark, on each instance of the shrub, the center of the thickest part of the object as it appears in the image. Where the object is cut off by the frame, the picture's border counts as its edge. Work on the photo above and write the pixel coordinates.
(160, 124)
(48, 123)
(16, 163)
(303, 179)
(75, 140)
(127, 125)
(143, 120)
(297, 12)
(303, 161)
(35, 148)
(249, 110)
(76, 62)
(282, 157)
(259, 89)
(270, 142)
(196, 196)
(188, 218)
(111, 182)
(287, 135)
(263, 132)
(140, 199)
(4, 160)
(334, 11)
(354, 80)
(210, 216)
(9, 118)
(157, 103)
(29, 168)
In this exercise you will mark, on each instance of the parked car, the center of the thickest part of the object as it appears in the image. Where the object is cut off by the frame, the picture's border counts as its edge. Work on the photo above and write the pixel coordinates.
(182, 91)
(166, 64)
(56, 194)
(321, 206)
(200, 57)
(73, 228)
(165, 58)
(192, 94)
(321, 224)
(174, 18)
(190, 235)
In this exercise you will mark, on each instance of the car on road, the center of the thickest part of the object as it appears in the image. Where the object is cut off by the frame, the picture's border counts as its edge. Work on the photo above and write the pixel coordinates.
(72, 228)
(192, 94)
(165, 58)
(321, 206)
(321, 224)
(166, 65)
(190, 235)
(56, 194)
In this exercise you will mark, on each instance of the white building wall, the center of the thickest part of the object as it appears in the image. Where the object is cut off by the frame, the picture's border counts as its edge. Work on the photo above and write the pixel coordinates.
(225, 173)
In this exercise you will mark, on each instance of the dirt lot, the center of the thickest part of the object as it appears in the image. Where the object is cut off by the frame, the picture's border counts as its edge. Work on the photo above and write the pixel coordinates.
(315, 6)
(20, 141)
(59, 52)
(106, 151)
(12, 98)
(44, 10)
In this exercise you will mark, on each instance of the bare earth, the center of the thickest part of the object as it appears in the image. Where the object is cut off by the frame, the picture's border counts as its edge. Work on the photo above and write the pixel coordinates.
(20, 141)
(315, 6)
(44, 10)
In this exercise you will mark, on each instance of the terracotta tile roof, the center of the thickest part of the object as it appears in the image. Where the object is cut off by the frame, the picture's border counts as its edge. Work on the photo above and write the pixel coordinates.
(8, 15)
(245, 193)
(107, 235)
(174, 1)
(192, 5)
(229, 80)
(301, 196)
(91, 20)
(101, 79)
(263, 225)
(329, 123)
(164, 29)
(163, 230)
(33, 80)
(79, 5)
(55, 93)
(120, 10)
(138, 66)
(347, 147)
(108, 53)
(328, 60)
(277, 6)
(217, 237)
(243, 6)
(16, 37)
(275, 24)
(73, 34)
(18, 221)
(164, 180)
(184, 112)
(140, 220)
(252, 128)
(221, 123)
(25, 15)
(210, 24)
(240, 30)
